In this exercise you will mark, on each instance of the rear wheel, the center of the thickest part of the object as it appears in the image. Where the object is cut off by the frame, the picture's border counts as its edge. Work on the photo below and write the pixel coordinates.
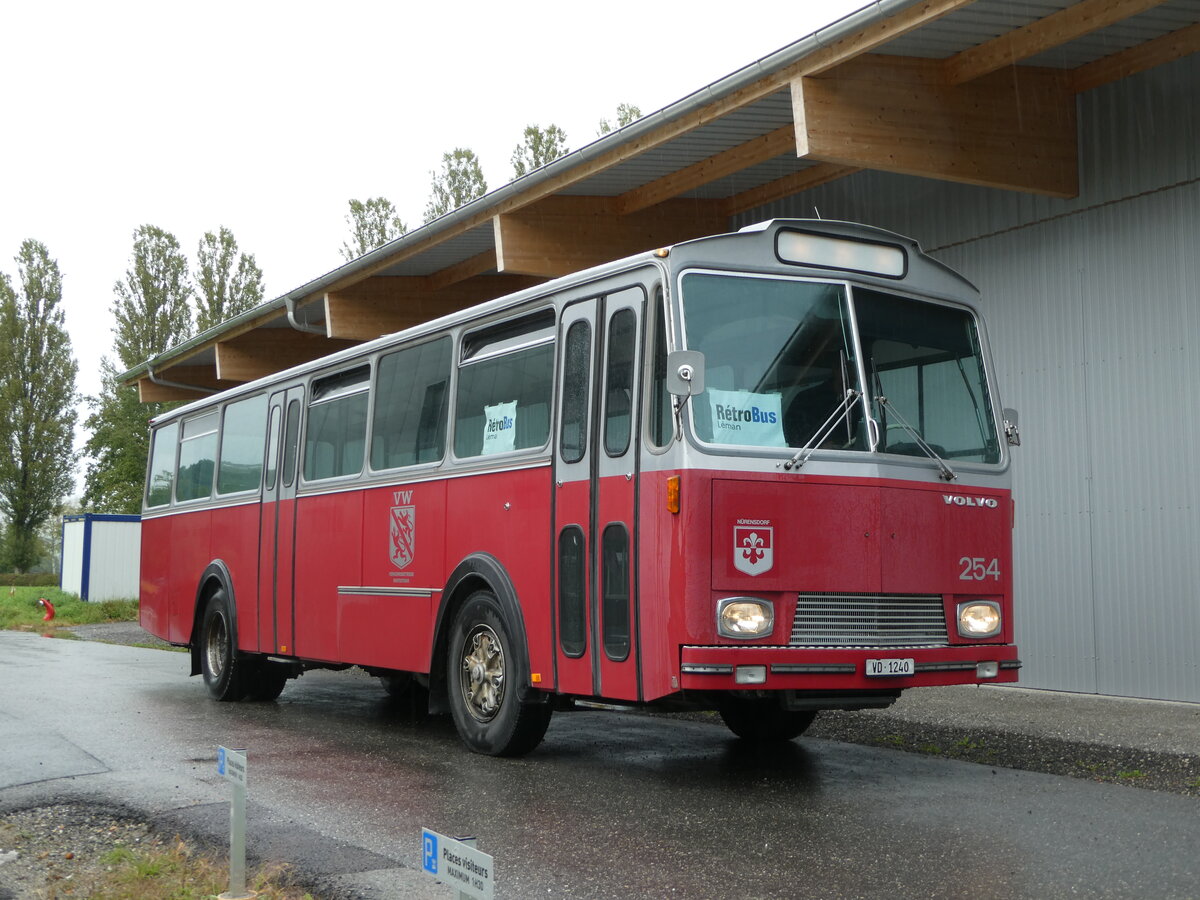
(483, 677)
(223, 667)
(763, 720)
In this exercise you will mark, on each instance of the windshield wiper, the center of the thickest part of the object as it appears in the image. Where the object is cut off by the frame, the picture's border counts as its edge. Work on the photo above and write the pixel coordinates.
(841, 411)
(948, 474)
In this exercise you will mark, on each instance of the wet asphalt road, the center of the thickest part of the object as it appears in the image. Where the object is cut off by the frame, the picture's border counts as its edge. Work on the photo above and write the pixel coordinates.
(611, 805)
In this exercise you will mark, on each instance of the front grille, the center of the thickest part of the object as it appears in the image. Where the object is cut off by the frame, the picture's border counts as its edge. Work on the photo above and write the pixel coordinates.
(869, 620)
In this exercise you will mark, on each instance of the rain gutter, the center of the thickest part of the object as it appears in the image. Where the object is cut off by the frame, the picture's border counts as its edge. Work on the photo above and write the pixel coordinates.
(744, 77)
(163, 382)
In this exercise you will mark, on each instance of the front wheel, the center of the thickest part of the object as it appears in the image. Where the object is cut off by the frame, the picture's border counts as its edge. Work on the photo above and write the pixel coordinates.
(763, 720)
(223, 667)
(483, 678)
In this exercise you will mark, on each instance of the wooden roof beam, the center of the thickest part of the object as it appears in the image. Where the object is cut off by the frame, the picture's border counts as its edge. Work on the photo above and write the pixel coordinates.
(202, 379)
(787, 186)
(1013, 129)
(1052, 31)
(383, 304)
(1156, 52)
(760, 149)
(865, 40)
(270, 350)
(565, 234)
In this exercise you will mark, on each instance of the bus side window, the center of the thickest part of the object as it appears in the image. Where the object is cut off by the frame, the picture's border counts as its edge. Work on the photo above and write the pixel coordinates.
(337, 425)
(162, 465)
(197, 458)
(409, 426)
(242, 432)
(504, 387)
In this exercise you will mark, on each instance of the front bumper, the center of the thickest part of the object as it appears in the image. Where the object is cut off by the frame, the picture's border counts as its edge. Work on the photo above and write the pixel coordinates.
(708, 668)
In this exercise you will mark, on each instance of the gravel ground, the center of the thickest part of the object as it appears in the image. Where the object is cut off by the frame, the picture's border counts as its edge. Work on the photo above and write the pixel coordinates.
(56, 851)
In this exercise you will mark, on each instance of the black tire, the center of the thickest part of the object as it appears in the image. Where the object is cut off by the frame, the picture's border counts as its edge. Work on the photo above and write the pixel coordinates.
(763, 720)
(484, 676)
(266, 682)
(223, 667)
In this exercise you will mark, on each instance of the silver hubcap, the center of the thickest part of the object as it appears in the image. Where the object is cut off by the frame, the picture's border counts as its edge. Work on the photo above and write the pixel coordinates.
(481, 676)
(215, 646)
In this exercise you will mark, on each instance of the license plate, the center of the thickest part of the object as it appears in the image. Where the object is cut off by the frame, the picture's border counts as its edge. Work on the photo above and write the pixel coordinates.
(888, 668)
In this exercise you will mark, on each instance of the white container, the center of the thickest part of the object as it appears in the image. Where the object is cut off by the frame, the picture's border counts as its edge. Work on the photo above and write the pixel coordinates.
(101, 556)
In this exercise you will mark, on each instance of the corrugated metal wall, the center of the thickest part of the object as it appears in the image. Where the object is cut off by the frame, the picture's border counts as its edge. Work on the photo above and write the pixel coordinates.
(1093, 306)
(116, 560)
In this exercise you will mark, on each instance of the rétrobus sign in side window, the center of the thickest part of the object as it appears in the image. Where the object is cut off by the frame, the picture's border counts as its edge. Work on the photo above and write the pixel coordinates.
(504, 387)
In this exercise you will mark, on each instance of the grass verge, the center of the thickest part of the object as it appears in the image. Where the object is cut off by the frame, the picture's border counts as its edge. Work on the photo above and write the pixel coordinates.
(20, 611)
(72, 850)
(177, 872)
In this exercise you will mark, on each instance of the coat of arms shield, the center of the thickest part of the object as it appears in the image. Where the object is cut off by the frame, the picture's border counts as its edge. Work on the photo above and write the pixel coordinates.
(403, 535)
(753, 548)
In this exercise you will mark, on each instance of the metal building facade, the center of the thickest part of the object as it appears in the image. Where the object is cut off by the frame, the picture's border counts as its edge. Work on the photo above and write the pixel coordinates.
(1093, 306)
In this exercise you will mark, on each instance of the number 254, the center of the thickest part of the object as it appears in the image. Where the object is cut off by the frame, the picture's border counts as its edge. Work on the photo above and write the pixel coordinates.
(976, 568)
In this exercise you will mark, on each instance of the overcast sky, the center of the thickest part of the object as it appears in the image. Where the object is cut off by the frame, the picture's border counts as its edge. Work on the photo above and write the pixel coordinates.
(268, 117)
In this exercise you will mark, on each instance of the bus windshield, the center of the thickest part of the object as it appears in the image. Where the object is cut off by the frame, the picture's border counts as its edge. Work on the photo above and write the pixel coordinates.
(924, 358)
(780, 358)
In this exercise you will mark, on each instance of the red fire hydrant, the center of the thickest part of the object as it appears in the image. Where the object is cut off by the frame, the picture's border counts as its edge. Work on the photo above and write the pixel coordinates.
(48, 606)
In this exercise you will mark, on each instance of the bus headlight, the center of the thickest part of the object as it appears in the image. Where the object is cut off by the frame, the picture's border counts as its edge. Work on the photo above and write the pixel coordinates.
(745, 617)
(979, 619)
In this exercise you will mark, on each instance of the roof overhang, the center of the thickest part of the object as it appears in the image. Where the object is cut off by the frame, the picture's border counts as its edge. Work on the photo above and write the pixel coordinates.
(974, 91)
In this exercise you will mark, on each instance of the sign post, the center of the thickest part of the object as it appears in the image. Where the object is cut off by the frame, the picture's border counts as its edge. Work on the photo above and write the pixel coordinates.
(232, 765)
(457, 863)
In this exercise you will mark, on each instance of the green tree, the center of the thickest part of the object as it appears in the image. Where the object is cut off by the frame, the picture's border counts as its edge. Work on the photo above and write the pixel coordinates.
(539, 146)
(227, 282)
(117, 445)
(37, 402)
(150, 314)
(151, 311)
(460, 181)
(626, 113)
(373, 223)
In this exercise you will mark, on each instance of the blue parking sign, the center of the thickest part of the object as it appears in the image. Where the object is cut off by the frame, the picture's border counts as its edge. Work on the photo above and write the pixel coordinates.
(429, 855)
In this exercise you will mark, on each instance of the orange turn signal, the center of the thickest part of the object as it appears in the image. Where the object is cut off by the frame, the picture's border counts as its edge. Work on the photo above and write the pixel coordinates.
(673, 494)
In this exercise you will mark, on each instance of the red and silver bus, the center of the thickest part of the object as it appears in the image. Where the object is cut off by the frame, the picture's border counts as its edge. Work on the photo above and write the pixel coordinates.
(764, 473)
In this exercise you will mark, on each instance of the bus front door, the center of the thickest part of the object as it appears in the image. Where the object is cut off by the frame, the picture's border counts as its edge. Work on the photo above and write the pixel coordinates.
(276, 568)
(595, 498)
